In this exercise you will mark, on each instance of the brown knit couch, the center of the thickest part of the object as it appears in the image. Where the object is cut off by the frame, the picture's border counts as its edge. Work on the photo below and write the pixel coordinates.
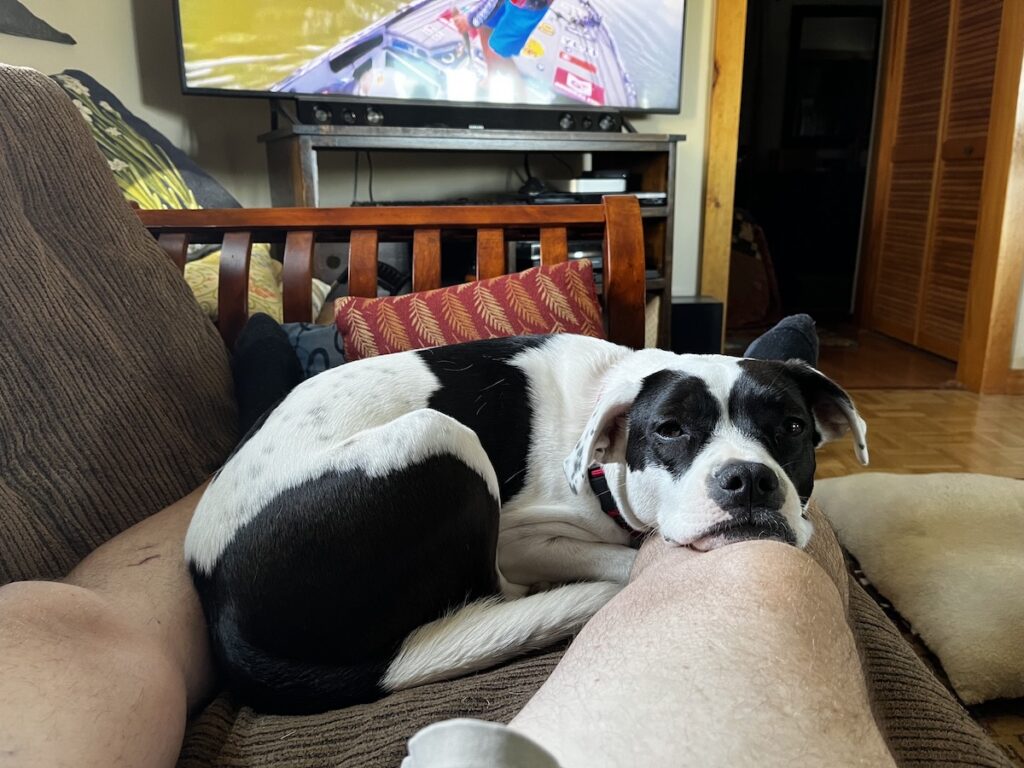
(116, 400)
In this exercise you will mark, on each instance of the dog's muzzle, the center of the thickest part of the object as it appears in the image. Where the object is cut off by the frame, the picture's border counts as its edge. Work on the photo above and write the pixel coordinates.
(751, 494)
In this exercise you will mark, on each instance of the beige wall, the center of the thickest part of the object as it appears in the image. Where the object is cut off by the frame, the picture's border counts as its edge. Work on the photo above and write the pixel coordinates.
(128, 45)
(692, 121)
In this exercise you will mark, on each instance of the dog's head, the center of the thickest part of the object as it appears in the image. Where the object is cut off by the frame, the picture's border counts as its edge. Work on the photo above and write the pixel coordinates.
(715, 449)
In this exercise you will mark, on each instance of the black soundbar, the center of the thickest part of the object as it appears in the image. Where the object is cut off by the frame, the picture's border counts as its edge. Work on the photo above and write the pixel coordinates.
(312, 112)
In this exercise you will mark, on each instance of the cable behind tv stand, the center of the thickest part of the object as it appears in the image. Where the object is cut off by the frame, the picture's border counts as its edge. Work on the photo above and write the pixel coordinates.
(292, 151)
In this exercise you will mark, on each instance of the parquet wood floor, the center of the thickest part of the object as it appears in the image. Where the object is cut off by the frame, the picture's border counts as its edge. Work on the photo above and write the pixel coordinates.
(878, 362)
(919, 431)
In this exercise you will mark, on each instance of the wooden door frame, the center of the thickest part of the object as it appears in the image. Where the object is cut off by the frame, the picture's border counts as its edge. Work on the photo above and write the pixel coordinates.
(729, 34)
(998, 264)
(723, 132)
(880, 158)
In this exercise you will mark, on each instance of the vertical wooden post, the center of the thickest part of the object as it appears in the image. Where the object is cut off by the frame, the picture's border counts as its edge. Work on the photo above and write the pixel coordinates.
(362, 263)
(887, 101)
(426, 260)
(723, 140)
(298, 276)
(233, 287)
(490, 253)
(554, 245)
(996, 268)
(175, 245)
(624, 288)
(294, 174)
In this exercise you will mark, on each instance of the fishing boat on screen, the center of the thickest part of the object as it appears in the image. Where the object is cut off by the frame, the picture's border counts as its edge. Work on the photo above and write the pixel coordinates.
(419, 52)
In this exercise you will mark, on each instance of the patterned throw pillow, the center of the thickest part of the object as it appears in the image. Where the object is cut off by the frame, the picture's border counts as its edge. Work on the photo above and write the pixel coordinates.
(558, 299)
(149, 169)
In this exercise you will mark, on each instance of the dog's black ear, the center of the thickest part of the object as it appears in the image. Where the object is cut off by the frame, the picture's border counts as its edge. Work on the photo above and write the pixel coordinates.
(603, 437)
(833, 409)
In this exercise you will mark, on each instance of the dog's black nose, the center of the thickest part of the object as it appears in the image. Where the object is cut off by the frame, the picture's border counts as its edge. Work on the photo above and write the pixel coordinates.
(745, 484)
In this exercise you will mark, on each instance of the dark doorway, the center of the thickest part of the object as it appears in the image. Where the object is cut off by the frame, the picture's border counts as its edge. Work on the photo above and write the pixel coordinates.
(806, 120)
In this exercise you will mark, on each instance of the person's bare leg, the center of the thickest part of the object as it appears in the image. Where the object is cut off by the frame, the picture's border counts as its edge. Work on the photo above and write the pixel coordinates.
(100, 669)
(738, 657)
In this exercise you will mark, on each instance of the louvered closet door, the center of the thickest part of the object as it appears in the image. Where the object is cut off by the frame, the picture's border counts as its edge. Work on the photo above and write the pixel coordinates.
(961, 165)
(945, 55)
(920, 62)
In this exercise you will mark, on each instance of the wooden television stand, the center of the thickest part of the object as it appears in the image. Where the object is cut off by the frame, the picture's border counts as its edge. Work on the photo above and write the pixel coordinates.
(294, 179)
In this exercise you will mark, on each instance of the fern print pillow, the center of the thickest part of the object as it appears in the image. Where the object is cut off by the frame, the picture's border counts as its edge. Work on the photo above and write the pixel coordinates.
(555, 299)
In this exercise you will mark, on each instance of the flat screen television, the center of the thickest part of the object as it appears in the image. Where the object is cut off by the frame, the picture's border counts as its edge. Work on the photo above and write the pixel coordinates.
(608, 55)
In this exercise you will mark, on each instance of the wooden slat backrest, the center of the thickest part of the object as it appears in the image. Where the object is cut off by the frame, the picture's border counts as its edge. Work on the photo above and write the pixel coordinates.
(362, 263)
(298, 266)
(490, 253)
(426, 260)
(301, 228)
(554, 245)
(175, 245)
(233, 287)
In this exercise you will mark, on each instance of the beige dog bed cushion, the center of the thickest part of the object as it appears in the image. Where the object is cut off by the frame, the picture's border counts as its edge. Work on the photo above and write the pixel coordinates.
(948, 551)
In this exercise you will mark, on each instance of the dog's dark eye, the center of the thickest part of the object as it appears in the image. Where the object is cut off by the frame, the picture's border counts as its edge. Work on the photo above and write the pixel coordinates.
(793, 427)
(670, 430)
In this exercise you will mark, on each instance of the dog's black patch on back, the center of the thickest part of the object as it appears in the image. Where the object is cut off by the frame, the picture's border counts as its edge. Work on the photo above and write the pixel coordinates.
(312, 598)
(764, 397)
(482, 390)
(670, 396)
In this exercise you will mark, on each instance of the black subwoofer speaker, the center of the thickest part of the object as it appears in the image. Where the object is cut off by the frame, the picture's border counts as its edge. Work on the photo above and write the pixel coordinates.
(697, 325)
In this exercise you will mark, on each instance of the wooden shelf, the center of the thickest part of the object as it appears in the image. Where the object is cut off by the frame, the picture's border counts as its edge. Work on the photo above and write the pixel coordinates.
(654, 211)
(656, 284)
(466, 140)
(653, 284)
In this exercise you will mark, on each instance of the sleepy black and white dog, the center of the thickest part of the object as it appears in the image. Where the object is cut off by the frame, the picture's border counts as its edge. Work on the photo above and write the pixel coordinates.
(383, 525)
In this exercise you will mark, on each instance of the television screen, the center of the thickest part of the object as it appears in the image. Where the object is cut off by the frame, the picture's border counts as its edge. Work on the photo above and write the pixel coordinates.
(609, 54)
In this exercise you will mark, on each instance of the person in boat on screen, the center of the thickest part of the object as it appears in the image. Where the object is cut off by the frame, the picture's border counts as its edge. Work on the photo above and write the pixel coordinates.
(505, 27)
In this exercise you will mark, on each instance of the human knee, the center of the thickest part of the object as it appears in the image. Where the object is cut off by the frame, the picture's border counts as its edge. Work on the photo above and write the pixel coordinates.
(767, 568)
(761, 572)
(82, 629)
(46, 607)
(60, 642)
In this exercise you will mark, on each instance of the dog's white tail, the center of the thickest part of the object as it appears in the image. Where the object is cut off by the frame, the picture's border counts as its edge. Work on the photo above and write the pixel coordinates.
(488, 632)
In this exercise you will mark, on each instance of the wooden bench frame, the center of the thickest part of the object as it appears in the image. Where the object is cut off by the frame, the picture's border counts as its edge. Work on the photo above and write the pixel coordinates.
(616, 219)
